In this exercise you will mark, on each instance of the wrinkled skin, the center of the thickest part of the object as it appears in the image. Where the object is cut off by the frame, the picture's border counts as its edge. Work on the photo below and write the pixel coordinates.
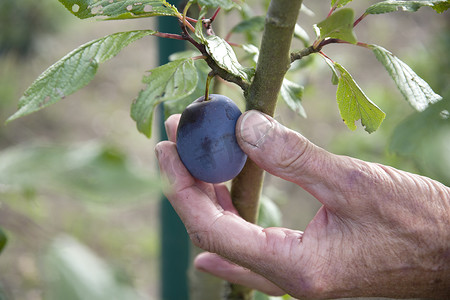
(380, 231)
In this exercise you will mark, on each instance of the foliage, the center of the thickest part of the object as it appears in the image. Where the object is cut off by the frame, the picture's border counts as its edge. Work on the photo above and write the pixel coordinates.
(3, 240)
(172, 81)
(23, 22)
(73, 71)
(338, 26)
(80, 66)
(354, 104)
(98, 168)
(415, 90)
(127, 9)
(76, 273)
(92, 172)
(393, 5)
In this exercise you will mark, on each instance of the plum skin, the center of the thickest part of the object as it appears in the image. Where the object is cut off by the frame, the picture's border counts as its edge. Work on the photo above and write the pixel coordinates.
(206, 139)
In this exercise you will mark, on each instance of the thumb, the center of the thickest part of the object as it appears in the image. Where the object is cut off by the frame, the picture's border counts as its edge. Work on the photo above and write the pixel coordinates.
(289, 155)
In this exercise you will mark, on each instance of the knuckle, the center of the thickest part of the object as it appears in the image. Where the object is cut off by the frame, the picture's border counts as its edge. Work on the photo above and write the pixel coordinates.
(294, 152)
(200, 239)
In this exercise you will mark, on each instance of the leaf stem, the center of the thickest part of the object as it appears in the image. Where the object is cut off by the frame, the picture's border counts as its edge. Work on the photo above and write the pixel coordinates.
(359, 19)
(338, 41)
(215, 15)
(191, 19)
(169, 36)
(184, 19)
(326, 56)
(333, 8)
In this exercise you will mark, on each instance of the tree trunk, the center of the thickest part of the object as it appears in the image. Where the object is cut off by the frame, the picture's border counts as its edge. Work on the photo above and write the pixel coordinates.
(273, 63)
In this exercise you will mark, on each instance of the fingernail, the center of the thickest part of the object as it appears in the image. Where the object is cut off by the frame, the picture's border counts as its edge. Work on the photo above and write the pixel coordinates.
(255, 128)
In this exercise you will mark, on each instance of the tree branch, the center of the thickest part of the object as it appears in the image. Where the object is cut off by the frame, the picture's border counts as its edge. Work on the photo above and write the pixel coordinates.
(304, 52)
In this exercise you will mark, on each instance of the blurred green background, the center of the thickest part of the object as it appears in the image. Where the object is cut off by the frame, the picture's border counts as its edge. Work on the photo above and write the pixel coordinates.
(79, 184)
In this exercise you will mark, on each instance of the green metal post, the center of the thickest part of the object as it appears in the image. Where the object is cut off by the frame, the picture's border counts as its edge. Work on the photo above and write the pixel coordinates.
(174, 239)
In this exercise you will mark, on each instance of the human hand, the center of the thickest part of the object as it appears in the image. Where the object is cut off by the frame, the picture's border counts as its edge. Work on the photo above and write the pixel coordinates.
(380, 231)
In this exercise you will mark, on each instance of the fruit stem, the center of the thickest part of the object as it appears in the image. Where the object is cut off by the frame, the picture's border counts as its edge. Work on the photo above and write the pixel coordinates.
(208, 83)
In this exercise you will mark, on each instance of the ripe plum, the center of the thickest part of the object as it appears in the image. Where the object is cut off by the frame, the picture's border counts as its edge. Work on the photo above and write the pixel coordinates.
(206, 140)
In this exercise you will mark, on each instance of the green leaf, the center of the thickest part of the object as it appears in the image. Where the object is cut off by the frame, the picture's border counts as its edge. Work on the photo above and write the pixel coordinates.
(269, 213)
(225, 4)
(92, 172)
(409, 5)
(119, 9)
(301, 34)
(3, 240)
(424, 137)
(177, 106)
(222, 53)
(338, 26)
(340, 2)
(441, 7)
(199, 25)
(307, 11)
(354, 105)
(417, 131)
(73, 71)
(415, 90)
(174, 80)
(292, 94)
(75, 272)
(252, 51)
(251, 25)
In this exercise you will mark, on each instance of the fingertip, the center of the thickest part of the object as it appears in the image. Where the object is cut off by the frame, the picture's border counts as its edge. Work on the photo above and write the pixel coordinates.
(220, 267)
(171, 166)
(204, 260)
(253, 128)
(171, 125)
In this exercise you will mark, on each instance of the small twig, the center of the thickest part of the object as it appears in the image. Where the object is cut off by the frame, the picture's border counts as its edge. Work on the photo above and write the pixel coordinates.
(338, 41)
(189, 38)
(330, 41)
(207, 23)
(317, 47)
(304, 52)
(224, 74)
